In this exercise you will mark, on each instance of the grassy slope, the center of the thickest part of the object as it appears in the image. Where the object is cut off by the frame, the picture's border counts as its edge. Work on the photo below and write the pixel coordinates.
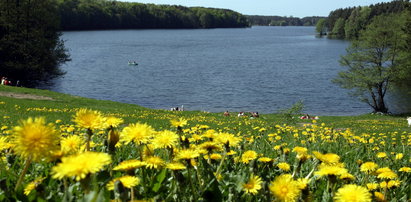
(63, 106)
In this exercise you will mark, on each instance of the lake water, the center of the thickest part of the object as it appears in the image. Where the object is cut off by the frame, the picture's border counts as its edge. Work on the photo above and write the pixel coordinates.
(262, 69)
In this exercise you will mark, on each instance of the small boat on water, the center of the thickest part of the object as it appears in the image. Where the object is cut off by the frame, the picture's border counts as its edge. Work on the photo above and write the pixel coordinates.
(132, 63)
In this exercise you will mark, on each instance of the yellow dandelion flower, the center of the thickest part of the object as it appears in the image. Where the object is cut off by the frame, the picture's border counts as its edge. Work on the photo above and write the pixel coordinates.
(372, 186)
(129, 165)
(253, 185)
(328, 158)
(80, 165)
(228, 138)
(284, 166)
(352, 193)
(379, 196)
(165, 139)
(393, 183)
(248, 156)
(211, 146)
(195, 138)
(35, 139)
(4, 143)
(382, 170)
(381, 155)
(405, 169)
(347, 176)
(176, 166)
(137, 133)
(399, 156)
(193, 163)
(300, 150)
(284, 188)
(265, 159)
(216, 156)
(127, 181)
(153, 162)
(328, 170)
(32, 185)
(211, 134)
(368, 167)
(302, 183)
(112, 121)
(383, 184)
(71, 144)
(90, 119)
(387, 175)
(179, 123)
(286, 150)
(187, 154)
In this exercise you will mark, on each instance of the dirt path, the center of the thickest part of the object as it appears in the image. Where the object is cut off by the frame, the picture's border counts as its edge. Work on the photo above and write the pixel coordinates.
(24, 96)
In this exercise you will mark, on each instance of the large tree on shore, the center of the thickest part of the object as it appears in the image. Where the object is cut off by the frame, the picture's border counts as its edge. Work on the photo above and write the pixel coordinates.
(405, 61)
(30, 48)
(372, 61)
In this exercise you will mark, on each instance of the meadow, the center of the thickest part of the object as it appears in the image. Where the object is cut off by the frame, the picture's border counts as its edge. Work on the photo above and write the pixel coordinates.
(57, 147)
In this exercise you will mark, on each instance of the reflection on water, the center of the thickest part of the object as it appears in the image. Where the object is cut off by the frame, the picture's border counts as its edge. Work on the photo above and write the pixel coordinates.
(262, 69)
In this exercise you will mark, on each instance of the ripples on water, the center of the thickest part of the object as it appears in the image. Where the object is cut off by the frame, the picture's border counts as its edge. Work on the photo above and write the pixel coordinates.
(262, 69)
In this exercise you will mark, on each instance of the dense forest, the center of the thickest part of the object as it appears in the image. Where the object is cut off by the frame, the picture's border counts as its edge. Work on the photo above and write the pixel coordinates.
(30, 47)
(346, 23)
(282, 21)
(108, 14)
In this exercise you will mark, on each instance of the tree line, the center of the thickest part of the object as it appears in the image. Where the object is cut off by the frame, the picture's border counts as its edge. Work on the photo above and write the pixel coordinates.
(346, 23)
(282, 21)
(108, 14)
(379, 56)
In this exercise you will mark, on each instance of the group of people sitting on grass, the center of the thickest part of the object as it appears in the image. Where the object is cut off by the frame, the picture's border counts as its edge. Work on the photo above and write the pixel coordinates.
(306, 116)
(6, 81)
(177, 108)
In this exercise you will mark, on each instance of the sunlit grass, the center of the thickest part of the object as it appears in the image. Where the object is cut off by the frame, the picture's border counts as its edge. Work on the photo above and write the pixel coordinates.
(212, 157)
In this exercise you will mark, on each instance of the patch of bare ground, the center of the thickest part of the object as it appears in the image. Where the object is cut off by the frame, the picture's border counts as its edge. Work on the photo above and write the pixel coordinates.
(24, 96)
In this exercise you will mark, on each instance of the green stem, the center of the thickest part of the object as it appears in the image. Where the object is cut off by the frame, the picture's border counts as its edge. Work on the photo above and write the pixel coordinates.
(26, 167)
(89, 134)
(132, 194)
(217, 173)
(193, 189)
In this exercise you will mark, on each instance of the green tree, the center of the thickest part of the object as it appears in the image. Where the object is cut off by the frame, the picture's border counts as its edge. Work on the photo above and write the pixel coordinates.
(372, 61)
(30, 48)
(357, 21)
(405, 62)
(338, 30)
(321, 27)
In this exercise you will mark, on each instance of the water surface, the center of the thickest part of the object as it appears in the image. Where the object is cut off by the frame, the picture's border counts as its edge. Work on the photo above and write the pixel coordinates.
(262, 69)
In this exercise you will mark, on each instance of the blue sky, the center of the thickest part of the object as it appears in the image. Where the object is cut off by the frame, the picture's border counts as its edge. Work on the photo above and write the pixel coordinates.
(296, 8)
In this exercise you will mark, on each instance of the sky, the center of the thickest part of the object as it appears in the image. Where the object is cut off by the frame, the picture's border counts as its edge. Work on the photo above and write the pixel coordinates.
(296, 8)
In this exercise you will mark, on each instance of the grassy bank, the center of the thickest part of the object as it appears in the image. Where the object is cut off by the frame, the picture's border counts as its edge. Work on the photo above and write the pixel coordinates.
(57, 106)
(191, 155)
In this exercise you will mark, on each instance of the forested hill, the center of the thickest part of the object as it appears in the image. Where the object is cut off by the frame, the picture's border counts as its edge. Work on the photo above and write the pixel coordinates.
(282, 21)
(109, 14)
(346, 23)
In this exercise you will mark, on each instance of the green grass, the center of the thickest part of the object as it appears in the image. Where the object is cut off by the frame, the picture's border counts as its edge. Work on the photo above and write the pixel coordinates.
(63, 107)
(355, 139)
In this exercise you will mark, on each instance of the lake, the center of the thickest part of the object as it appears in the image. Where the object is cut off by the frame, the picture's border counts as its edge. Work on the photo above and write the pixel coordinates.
(261, 69)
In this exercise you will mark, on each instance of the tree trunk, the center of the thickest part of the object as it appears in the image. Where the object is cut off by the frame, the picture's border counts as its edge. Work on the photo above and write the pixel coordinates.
(381, 107)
